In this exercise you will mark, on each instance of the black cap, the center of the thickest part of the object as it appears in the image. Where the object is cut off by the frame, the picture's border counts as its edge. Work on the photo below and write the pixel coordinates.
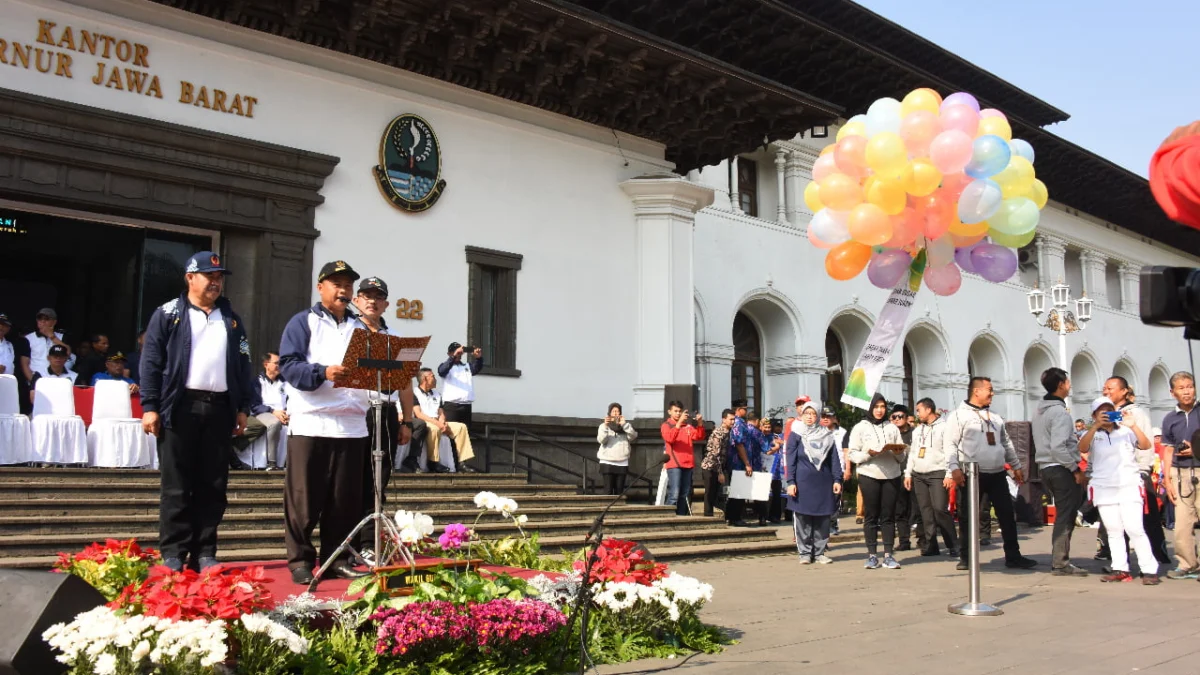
(375, 283)
(47, 312)
(453, 346)
(4, 320)
(58, 350)
(205, 261)
(117, 357)
(337, 267)
(828, 412)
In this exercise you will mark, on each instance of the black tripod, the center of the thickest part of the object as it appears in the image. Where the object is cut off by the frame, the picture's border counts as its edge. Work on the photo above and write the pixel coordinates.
(583, 598)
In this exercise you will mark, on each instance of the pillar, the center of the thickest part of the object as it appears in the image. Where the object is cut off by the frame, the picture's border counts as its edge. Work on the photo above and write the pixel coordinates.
(781, 190)
(735, 199)
(663, 322)
(715, 365)
(1095, 266)
(1052, 261)
(1130, 288)
(799, 175)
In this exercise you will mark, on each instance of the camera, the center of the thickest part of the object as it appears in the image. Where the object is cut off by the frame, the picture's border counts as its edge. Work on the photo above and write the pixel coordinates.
(1170, 296)
(1113, 416)
(467, 349)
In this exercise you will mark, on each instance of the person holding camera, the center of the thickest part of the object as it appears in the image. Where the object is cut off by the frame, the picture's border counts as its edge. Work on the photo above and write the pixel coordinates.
(615, 437)
(1113, 442)
(458, 385)
(1180, 468)
(679, 433)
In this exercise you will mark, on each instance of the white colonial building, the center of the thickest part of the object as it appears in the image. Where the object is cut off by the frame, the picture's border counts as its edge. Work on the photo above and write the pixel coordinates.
(590, 236)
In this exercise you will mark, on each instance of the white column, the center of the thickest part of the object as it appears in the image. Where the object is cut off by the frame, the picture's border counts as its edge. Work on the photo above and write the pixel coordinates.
(1130, 288)
(716, 362)
(1053, 263)
(1094, 266)
(735, 199)
(799, 176)
(781, 191)
(663, 322)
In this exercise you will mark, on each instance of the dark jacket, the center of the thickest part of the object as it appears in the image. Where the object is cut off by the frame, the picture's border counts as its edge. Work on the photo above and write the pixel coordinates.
(167, 354)
(814, 484)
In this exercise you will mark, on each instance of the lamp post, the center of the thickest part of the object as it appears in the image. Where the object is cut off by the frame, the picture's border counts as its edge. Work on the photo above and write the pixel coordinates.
(1059, 318)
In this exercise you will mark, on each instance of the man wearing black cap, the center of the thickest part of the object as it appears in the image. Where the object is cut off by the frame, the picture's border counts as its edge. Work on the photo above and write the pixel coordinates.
(197, 386)
(45, 337)
(327, 429)
(14, 360)
(114, 369)
(56, 368)
(371, 302)
(458, 386)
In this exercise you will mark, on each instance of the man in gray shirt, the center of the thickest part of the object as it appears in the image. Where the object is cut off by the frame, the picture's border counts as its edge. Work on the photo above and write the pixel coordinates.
(1058, 461)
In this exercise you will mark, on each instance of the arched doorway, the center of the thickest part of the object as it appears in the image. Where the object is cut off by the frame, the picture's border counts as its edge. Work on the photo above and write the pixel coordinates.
(1085, 381)
(927, 357)
(985, 358)
(908, 386)
(1037, 360)
(746, 378)
(834, 381)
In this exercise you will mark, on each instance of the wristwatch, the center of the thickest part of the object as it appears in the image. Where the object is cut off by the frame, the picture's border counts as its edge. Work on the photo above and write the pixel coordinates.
(407, 424)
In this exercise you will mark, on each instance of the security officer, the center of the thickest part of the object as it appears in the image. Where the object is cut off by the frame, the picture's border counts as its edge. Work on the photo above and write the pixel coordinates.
(371, 301)
(327, 431)
(196, 387)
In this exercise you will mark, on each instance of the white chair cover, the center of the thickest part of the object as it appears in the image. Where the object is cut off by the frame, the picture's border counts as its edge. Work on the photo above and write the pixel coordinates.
(16, 441)
(58, 433)
(445, 454)
(116, 439)
(255, 454)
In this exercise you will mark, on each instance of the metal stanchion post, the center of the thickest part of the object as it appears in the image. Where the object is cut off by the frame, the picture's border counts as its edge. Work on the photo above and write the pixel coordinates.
(973, 606)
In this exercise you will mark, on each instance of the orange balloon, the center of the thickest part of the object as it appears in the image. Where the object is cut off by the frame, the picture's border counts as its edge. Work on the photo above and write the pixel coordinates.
(961, 229)
(954, 184)
(851, 156)
(905, 228)
(963, 242)
(827, 149)
(847, 260)
(939, 214)
(840, 192)
(868, 224)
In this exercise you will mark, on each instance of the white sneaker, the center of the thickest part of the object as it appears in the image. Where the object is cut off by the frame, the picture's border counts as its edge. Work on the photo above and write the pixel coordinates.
(806, 561)
(824, 559)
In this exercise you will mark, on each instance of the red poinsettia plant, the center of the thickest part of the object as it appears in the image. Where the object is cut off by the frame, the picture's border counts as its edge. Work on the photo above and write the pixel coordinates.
(621, 560)
(111, 566)
(216, 593)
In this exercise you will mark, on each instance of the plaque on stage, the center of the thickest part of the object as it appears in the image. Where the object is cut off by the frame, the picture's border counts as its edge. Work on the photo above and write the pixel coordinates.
(379, 347)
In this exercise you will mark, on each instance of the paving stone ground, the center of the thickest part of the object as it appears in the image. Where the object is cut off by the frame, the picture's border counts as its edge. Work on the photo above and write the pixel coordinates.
(841, 618)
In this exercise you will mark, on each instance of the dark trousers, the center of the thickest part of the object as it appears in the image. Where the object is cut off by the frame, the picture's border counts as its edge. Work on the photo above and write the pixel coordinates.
(194, 466)
(391, 424)
(775, 504)
(712, 492)
(994, 487)
(933, 500)
(879, 511)
(416, 445)
(1068, 497)
(614, 479)
(457, 412)
(908, 513)
(323, 485)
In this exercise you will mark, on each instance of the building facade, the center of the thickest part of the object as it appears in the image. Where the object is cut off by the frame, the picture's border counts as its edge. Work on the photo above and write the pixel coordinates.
(567, 241)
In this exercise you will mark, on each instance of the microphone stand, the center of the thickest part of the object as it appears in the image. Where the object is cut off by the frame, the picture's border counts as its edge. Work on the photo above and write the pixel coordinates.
(583, 598)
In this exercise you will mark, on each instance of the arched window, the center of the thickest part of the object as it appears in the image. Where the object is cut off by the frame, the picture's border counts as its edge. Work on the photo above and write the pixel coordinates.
(834, 381)
(747, 363)
(908, 386)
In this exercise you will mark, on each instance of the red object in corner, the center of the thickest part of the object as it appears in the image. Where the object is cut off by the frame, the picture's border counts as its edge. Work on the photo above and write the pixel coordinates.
(1175, 175)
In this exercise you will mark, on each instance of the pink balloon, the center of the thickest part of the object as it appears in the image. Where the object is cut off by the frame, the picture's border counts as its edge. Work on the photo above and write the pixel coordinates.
(991, 112)
(944, 280)
(938, 212)
(918, 130)
(850, 156)
(826, 165)
(906, 227)
(960, 117)
(950, 151)
(960, 98)
(953, 185)
(812, 237)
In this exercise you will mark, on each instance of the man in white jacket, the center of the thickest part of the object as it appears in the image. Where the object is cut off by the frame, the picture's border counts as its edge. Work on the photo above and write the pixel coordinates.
(925, 475)
(975, 434)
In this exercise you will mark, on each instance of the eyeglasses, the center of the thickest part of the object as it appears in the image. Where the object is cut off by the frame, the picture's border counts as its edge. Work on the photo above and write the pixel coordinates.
(898, 417)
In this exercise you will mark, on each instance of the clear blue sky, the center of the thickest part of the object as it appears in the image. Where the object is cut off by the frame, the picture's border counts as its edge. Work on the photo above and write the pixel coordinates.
(1127, 72)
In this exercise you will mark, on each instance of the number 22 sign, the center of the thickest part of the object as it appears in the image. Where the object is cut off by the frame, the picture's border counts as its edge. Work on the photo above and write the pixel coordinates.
(410, 309)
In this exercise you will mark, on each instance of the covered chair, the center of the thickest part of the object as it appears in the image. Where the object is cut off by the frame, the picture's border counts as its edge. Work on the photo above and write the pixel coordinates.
(257, 453)
(116, 439)
(59, 436)
(16, 441)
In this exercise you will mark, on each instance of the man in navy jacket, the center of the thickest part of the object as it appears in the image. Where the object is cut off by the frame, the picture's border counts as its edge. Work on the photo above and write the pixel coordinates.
(196, 383)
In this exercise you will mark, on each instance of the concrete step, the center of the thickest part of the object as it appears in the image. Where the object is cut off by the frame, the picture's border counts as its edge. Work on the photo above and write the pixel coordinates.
(122, 476)
(99, 506)
(710, 533)
(82, 489)
(148, 518)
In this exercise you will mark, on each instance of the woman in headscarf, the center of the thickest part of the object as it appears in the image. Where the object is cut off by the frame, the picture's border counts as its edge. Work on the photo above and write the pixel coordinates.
(874, 443)
(814, 480)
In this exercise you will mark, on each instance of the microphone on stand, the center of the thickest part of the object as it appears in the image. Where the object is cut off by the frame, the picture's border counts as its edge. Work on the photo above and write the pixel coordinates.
(343, 299)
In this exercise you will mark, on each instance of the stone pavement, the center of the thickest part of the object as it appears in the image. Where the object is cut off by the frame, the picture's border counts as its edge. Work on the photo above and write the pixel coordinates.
(841, 618)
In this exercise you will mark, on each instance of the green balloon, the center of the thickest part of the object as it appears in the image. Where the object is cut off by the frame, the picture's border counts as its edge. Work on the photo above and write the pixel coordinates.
(1011, 240)
(1017, 215)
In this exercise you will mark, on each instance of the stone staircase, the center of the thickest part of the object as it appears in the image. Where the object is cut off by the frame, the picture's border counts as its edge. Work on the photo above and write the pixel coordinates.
(44, 511)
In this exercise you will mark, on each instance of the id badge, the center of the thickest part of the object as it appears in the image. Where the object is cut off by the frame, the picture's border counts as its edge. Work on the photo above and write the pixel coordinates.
(921, 454)
(991, 437)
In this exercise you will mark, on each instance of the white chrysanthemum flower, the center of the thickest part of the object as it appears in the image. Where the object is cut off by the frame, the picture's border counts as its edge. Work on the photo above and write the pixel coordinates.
(140, 651)
(106, 664)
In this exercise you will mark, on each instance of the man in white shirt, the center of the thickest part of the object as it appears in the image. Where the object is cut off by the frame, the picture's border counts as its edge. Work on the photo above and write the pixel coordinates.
(430, 411)
(458, 382)
(197, 389)
(269, 413)
(56, 369)
(45, 337)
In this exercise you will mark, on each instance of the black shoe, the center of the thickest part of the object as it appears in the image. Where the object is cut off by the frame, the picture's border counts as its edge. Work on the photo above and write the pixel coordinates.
(962, 566)
(953, 553)
(302, 575)
(1103, 555)
(985, 542)
(904, 546)
(1021, 563)
(437, 468)
(929, 554)
(409, 467)
(344, 571)
(467, 468)
(739, 523)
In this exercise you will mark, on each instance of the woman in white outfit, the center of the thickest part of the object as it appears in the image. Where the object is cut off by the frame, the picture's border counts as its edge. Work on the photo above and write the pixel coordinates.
(1112, 444)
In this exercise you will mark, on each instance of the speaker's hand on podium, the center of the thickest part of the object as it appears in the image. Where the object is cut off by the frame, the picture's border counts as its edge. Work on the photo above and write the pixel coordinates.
(335, 373)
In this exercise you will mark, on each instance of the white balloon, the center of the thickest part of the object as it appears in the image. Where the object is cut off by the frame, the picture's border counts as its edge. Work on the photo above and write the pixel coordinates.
(1021, 148)
(831, 226)
(883, 116)
(940, 251)
(979, 201)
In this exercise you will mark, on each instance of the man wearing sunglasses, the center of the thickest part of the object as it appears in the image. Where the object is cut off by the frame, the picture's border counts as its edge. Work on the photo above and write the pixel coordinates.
(907, 509)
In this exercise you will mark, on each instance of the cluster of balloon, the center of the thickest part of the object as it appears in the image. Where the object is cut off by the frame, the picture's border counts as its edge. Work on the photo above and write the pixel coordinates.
(925, 174)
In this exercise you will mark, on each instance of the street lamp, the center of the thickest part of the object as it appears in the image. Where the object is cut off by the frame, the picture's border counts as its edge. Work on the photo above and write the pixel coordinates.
(1060, 319)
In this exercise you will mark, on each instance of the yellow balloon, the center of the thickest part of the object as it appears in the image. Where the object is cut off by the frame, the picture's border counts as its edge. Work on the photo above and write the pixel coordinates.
(961, 229)
(887, 195)
(852, 129)
(1038, 193)
(886, 155)
(995, 126)
(840, 192)
(1017, 178)
(921, 178)
(921, 99)
(1012, 240)
(828, 149)
(812, 197)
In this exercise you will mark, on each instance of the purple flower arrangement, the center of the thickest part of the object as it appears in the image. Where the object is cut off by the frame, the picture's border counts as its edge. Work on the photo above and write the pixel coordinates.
(498, 628)
(455, 536)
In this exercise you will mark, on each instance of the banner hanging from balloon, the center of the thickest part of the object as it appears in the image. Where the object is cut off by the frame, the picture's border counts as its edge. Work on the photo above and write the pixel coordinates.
(887, 332)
